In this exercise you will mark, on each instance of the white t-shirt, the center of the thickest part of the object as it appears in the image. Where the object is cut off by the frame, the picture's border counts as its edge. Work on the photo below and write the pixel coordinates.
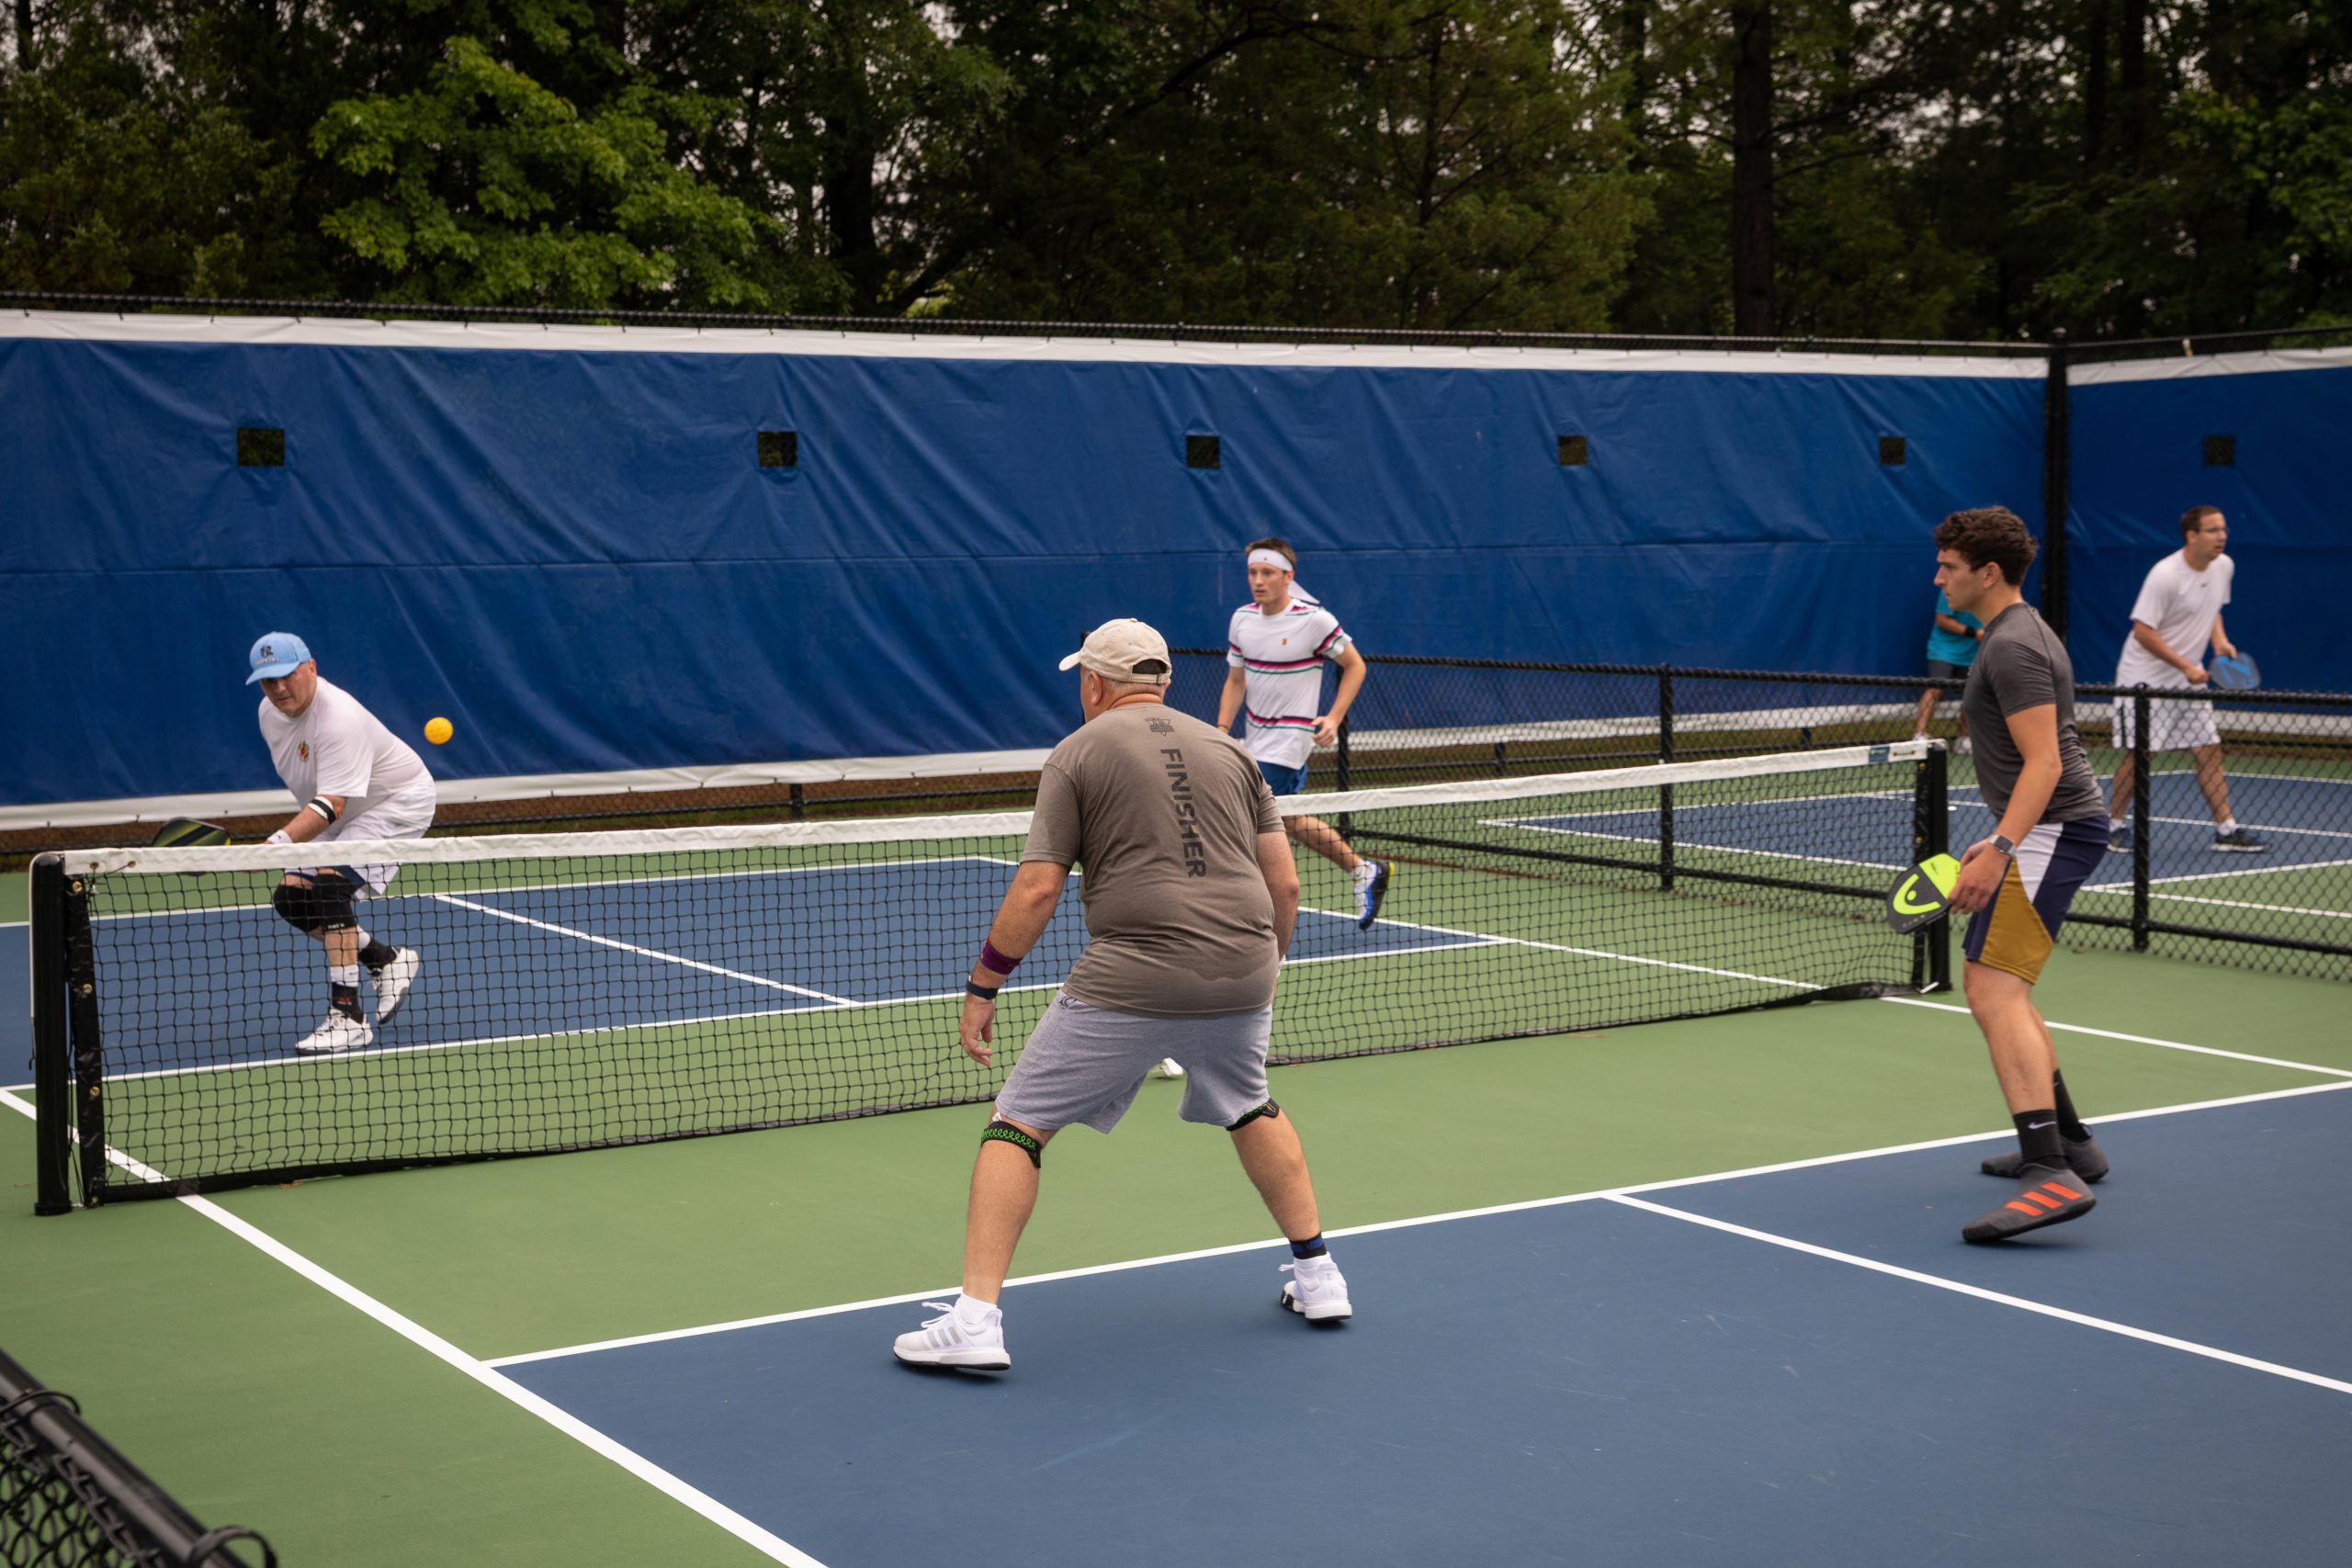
(2179, 604)
(1283, 656)
(337, 747)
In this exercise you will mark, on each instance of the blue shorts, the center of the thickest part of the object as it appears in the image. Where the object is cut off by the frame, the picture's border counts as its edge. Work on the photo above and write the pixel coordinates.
(1281, 780)
(2016, 932)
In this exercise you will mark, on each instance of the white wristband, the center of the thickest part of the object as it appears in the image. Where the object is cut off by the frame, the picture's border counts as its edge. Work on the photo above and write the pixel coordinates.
(281, 837)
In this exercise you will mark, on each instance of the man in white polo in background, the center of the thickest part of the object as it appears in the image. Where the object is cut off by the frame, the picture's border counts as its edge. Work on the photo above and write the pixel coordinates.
(1190, 896)
(356, 779)
(2178, 611)
(1275, 648)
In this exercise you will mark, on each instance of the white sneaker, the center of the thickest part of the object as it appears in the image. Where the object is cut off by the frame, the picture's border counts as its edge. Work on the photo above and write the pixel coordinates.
(1372, 885)
(1315, 1290)
(1169, 1067)
(393, 980)
(952, 1340)
(337, 1033)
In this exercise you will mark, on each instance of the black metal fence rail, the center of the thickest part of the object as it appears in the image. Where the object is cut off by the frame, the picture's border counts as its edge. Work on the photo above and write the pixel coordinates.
(68, 1497)
(2286, 756)
(953, 326)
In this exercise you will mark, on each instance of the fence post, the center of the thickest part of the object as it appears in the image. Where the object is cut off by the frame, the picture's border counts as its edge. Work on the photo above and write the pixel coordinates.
(2054, 499)
(1347, 762)
(2140, 812)
(1666, 792)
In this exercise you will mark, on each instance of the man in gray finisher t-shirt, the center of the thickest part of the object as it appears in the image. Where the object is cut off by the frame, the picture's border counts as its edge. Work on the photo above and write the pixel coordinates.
(1190, 895)
(2017, 884)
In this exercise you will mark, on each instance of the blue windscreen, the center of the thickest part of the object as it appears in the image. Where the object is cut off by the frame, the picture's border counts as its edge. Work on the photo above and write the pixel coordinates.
(577, 556)
(2269, 449)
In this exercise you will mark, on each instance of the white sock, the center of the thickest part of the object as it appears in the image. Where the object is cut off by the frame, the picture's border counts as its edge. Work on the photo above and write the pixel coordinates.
(973, 1314)
(2229, 826)
(1363, 874)
(343, 975)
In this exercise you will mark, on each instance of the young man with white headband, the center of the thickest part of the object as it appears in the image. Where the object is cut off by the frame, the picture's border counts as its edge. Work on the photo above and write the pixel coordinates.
(1191, 896)
(1275, 648)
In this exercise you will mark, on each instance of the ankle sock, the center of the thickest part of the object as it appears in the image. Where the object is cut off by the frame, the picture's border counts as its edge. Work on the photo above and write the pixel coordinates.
(2069, 1123)
(2038, 1139)
(1311, 1248)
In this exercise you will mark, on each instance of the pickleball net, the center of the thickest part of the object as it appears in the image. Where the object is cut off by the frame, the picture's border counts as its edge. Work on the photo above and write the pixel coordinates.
(593, 990)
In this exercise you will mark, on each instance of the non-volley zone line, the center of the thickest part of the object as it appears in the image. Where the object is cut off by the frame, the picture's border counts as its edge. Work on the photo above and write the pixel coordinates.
(480, 1371)
(1628, 1193)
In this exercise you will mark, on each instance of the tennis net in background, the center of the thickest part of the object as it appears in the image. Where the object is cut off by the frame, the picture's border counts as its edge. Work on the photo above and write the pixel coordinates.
(593, 990)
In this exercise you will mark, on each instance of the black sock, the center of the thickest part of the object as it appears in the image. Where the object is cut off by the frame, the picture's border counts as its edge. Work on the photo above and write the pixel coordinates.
(2038, 1139)
(376, 955)
(2068, 1122)
(347, 1000)
(1311, 1248)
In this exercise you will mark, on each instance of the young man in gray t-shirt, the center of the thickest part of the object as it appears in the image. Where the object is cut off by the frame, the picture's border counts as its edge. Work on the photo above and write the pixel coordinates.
(1190, 896)
(2018, 884)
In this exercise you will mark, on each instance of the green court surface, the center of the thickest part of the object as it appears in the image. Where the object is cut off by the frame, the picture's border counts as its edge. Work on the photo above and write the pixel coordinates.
(258, 1395)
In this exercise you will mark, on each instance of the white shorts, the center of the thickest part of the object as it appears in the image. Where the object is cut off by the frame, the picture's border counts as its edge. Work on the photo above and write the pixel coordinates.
(2177, 720)
(393, 820)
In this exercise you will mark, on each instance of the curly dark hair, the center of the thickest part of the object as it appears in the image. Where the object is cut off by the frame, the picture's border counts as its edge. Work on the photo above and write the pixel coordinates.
(2193, 520)
(1992, 534)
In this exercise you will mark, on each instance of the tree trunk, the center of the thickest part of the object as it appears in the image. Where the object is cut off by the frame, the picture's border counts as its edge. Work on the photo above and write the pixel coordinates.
(2094, 85)
(2132, 94)
(1751, 168)
(24, 35)
(1633, 48)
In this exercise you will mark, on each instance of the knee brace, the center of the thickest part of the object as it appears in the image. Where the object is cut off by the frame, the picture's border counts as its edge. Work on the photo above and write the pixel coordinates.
(1006, 1132)
(1269, 1109)
(324, 906)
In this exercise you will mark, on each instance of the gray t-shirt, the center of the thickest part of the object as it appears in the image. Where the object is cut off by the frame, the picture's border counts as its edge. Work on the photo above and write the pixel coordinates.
(2021, 664)
(1161, 814)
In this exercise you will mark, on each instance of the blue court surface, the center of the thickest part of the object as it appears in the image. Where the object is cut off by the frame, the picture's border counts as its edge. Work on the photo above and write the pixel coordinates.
(1594, 1381)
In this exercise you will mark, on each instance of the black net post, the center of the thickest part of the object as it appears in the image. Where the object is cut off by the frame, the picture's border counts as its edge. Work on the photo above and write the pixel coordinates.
(81, 1017)
(2055, 488)
(52, 1071)
(2141, 810)
(1666, 792)
(1930, 836)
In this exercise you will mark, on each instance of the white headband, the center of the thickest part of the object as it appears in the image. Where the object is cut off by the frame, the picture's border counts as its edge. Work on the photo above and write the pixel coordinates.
(1269, 557)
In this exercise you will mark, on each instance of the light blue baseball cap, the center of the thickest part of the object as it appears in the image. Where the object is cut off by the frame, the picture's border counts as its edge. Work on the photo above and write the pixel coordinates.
(278, 654)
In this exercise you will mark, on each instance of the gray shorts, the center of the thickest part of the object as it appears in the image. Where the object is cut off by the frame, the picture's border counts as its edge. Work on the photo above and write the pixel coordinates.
(1083, 1065)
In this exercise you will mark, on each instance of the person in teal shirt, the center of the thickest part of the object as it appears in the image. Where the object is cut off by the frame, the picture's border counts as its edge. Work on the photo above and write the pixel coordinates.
(1952, 648)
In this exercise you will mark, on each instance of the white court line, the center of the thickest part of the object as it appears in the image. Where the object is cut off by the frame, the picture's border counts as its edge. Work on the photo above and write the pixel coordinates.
(1980, 1292)
(2143, 1040)
(747, 978)
(2125, 892)
(1525, 1205)
(775, 1547)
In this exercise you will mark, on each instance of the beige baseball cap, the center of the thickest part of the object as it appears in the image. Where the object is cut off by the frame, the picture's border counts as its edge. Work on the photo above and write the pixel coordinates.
(1119, 650)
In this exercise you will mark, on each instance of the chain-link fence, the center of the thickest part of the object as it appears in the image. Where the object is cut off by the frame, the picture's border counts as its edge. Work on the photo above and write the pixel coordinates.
(68, 1498)
(2275, 895)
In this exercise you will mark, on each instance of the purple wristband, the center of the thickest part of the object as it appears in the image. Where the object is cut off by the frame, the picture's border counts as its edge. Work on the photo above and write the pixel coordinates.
(992, 959)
